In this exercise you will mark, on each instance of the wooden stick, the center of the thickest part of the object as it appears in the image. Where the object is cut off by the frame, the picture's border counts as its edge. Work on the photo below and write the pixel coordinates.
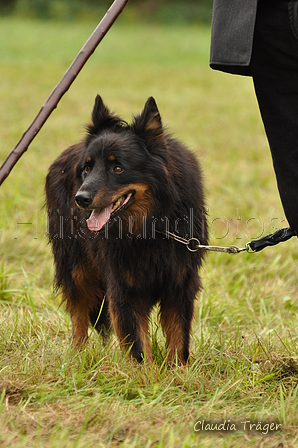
(62, 87)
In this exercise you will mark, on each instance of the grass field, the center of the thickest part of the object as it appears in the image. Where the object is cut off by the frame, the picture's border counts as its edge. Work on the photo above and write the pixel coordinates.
(244, 346)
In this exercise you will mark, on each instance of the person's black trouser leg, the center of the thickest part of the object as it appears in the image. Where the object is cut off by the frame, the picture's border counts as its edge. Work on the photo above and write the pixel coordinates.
(274, 67)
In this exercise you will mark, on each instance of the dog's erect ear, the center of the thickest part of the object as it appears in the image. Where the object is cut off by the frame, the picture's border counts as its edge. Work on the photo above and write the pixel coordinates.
(148, 124)
(100, 111)
(102, 118)
(151, 116)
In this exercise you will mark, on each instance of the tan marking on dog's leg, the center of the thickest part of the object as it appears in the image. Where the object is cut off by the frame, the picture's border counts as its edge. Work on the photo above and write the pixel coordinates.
(124, 339)
(79, 314)
(171, 325)
(115, 324)
(86, 301)
(143, 322)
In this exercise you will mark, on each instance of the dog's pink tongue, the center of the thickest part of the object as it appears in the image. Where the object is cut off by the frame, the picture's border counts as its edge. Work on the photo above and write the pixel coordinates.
(98, 218)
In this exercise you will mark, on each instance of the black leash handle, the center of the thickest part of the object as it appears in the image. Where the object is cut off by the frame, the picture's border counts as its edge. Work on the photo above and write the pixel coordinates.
(272, 239)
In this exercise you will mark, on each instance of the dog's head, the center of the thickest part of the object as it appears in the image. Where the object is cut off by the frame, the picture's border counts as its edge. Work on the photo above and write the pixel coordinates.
(124, 166)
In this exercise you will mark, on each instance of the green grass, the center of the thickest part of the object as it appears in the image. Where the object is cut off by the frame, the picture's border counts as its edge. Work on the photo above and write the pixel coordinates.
(244, 343)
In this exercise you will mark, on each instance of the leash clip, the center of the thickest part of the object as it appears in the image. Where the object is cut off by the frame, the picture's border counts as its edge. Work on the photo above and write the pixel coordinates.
(194, 244)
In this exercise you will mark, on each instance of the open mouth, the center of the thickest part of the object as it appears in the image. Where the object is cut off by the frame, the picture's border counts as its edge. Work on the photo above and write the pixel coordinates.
(99, 218)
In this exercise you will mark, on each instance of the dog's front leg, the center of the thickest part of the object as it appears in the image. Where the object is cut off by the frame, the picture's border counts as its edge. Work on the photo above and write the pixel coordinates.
(79, 314)
(131, 327)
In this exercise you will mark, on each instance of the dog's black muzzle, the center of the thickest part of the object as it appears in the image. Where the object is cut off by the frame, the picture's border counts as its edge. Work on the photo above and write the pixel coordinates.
(83, 199)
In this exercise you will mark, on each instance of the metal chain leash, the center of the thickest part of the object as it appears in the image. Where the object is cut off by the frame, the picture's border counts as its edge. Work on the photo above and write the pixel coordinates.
(194, 244)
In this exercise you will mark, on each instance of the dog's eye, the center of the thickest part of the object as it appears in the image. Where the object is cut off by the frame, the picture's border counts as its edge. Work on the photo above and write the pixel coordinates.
(117, 169)
(86, 171)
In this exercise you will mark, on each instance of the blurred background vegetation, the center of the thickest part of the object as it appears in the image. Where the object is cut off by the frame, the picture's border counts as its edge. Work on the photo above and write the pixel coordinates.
(170, 11)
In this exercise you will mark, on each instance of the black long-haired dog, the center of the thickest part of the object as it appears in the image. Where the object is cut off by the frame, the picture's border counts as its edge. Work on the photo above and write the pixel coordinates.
(112, 199)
